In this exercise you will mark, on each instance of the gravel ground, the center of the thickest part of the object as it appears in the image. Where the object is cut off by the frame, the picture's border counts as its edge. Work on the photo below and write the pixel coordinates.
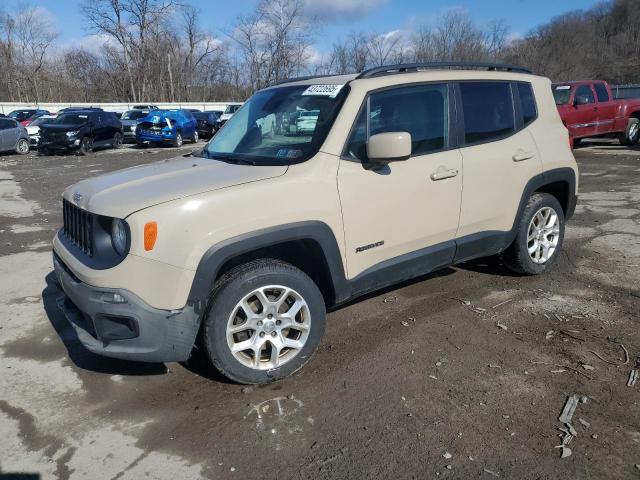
(461, 374)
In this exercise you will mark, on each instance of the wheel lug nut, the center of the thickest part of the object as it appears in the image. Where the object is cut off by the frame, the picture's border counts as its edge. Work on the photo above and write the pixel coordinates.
(278, 322)
(259, 323)
(273, 334)
(262, 334)
(269, 316)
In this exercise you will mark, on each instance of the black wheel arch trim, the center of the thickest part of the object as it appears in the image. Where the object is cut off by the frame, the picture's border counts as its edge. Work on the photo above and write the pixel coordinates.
(215, 257)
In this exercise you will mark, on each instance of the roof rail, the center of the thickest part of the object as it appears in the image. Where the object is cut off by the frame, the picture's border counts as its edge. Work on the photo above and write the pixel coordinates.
(408, 67)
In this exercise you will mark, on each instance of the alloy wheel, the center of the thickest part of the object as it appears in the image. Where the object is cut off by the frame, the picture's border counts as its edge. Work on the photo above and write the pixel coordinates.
(543, 235)
(23, 146)
(268, 327)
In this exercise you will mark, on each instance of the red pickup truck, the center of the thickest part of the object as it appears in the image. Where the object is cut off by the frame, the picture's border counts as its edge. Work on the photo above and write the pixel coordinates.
(588, 109)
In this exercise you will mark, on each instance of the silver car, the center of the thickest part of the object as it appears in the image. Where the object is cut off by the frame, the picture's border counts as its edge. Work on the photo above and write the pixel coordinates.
(129, 122)
(13, 136)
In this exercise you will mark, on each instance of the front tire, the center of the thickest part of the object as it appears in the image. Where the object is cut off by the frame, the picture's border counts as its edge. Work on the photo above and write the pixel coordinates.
(265, 321)
(117, 140)
(22, 147)
(539, 237)
(631, 134)
(178, 141)
(86, 146)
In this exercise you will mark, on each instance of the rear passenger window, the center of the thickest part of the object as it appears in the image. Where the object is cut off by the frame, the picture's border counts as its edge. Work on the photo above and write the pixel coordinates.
(527, 103)
(421, 110)
(488, 111)
(601, 92)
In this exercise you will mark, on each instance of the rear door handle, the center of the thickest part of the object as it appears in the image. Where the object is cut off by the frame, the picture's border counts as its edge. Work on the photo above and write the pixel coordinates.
(520, 157)
(443, 174)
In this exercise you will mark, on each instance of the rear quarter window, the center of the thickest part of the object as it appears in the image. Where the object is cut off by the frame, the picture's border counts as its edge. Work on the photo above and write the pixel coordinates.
(528, 107)
(487, 110)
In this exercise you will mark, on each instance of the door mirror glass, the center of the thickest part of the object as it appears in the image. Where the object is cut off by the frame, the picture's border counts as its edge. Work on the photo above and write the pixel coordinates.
(389, 147)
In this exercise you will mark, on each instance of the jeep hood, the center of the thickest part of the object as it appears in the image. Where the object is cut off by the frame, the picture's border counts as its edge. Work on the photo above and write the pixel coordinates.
(124, 192)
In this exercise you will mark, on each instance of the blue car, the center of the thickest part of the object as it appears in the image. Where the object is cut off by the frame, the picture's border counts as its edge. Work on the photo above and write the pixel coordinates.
(167, 126)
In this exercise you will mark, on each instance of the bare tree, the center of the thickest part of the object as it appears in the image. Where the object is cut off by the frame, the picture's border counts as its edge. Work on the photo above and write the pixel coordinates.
(274, 41)
(157, 50)
(383, 48)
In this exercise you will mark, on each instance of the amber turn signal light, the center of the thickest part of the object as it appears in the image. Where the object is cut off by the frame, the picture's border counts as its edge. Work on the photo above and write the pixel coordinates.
(150, 235)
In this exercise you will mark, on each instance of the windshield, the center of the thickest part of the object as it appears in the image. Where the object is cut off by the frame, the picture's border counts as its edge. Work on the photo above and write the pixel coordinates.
(134, 114)
(269, 128)
(21, 115)
(232, 108)
(162, 116)
(562, 93)
(72, 119)
(41, 120)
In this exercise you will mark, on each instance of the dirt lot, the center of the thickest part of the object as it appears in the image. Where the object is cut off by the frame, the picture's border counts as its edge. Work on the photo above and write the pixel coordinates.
(469, 386)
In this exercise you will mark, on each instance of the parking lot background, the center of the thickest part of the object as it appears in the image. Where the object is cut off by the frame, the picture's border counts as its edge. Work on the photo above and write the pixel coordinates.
(460, 374)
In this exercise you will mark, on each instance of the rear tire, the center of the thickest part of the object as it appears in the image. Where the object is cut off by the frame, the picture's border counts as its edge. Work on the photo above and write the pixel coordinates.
(539, 236)
(196, 137)
(631, 134)
(276, 336)
(577, 142)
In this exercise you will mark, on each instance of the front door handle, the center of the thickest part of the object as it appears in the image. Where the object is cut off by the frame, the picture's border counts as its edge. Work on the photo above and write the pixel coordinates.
(520, 157)
(443, 174)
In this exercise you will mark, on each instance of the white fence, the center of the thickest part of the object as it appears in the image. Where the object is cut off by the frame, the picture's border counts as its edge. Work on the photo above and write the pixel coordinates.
(6, 107)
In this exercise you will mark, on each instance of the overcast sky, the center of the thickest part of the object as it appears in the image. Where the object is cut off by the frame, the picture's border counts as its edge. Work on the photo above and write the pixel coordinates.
(340, 16)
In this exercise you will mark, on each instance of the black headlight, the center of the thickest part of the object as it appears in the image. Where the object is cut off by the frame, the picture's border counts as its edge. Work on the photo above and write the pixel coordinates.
(119, 236)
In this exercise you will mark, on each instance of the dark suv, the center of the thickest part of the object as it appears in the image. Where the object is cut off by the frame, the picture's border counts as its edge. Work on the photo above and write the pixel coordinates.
(80, 131)
(207, 123)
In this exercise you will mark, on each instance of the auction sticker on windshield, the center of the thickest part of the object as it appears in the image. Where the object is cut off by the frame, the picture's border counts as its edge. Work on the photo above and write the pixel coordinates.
(563, 87)
(323, 90)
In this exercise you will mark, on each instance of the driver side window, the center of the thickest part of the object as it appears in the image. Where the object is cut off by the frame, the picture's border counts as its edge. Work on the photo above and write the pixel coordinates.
(585, 91)
(421, 110)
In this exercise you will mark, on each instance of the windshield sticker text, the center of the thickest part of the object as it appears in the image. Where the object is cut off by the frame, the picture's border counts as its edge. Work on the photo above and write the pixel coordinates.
(330, 91)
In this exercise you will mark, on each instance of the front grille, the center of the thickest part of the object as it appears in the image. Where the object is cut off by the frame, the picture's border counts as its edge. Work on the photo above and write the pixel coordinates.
(78, 227)
(54, 137)
(144, 131)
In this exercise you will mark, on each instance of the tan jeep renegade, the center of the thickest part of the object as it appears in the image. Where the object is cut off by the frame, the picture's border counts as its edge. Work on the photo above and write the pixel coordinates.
(360, 182)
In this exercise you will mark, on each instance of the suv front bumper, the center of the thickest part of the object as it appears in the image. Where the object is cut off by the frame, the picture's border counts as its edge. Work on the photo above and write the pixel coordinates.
(116, 323)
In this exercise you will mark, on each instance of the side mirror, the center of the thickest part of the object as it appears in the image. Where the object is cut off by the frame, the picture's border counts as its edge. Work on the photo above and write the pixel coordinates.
(389, 147)
(581, 100)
